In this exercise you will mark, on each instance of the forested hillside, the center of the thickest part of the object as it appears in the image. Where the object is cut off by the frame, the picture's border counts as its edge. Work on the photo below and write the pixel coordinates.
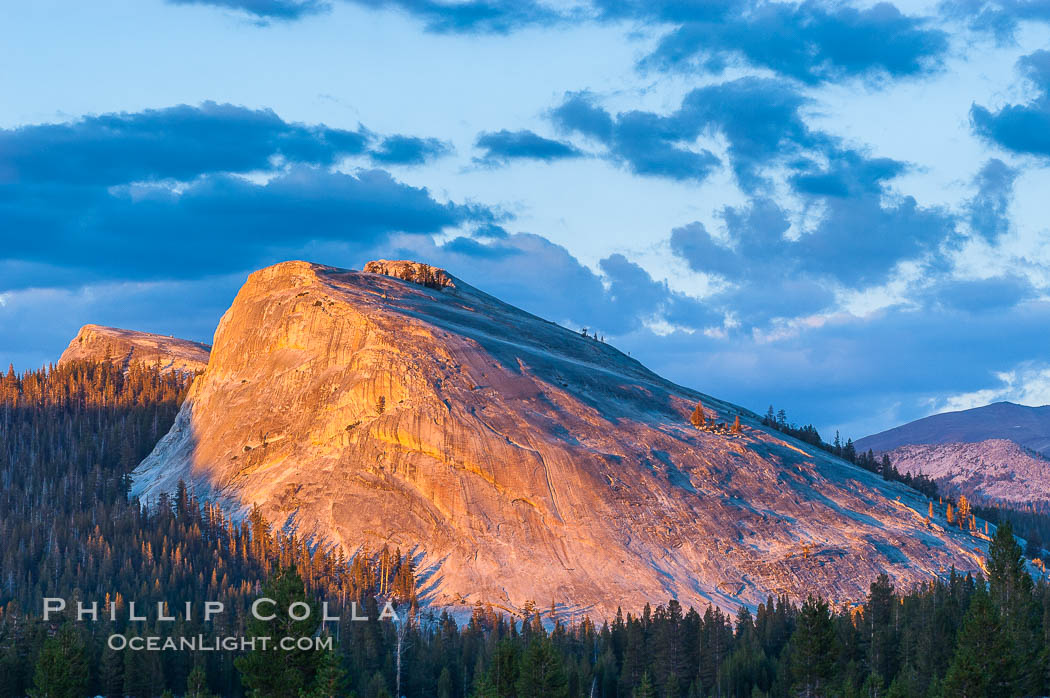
(68, 437)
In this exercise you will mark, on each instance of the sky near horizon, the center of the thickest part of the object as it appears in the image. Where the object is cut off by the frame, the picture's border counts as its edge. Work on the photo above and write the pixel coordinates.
(839, 209)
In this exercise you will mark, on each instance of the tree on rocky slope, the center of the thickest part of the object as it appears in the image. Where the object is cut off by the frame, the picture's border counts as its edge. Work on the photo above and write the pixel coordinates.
(698, 419)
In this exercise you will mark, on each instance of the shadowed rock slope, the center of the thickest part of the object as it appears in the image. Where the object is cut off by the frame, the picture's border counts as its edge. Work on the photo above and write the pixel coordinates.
(519, 460)
(97, 343)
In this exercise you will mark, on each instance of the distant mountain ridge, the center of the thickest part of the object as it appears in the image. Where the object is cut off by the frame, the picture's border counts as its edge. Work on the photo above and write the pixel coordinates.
(1026, 426)
(996, 454)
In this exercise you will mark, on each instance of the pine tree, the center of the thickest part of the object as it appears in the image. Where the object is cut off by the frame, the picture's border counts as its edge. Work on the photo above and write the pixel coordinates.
(1010, 589)
(698, 419)
(736, 425)
(197, 684)
(645, 688)
(272, 671)
(964, 511)
(330, 681)
(112, 673)
(878, 628)
(143, 674)
(849, 451)
(811, 648)
(983, 664)
(61, 670)
(542, 673)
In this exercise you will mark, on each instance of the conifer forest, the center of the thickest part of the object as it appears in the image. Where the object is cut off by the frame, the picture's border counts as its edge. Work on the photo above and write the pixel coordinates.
(70, 435)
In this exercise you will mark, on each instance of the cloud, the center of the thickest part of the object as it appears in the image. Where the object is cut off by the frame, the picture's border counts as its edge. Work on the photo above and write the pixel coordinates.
(219, 222)
(409, 150)
(811, 42)
(281, 10)
(158, 195)
(861, 229)
(503, 146)
(999, 17)
(473, 16)
(1028, 383)
(178, 142)
(649, 144)
(761, 264)
(857, 244)
(989, 208)
(758, 118)
(861, 239)
(1021, 128)
(982, 295)
(466, 17)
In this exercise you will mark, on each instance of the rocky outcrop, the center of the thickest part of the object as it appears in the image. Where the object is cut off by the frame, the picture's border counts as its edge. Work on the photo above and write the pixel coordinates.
(519, 460)
(414, 272)
(97, 343)
(994, 471)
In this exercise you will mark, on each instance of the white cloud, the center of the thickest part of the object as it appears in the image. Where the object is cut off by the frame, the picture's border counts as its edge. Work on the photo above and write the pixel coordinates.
(1026, 384)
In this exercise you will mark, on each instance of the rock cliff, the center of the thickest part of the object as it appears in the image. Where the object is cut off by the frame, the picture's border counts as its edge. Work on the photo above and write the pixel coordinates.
(96, 343)
(519, 460)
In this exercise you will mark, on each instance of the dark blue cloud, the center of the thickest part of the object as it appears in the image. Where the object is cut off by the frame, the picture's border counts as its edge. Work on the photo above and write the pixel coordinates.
(812, 42)
(861, 239)
(468, 17)
(654, 145)
(975, 296)
(282, 10)
(1022, 128)
(409, 150)
(998, 17)
(848, 173)
(503, 146)
(857, 243)
(669, 11)
(760, 119)
(179, 142)
(762, 265)
(988, 209)
(579, 112)
(647, 143)
(864, 229)
(473, 16)
(140, 195)
(640, 298)
(154, 232)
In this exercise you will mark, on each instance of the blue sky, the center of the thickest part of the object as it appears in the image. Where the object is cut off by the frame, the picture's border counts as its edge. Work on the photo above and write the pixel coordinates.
(836, 208)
